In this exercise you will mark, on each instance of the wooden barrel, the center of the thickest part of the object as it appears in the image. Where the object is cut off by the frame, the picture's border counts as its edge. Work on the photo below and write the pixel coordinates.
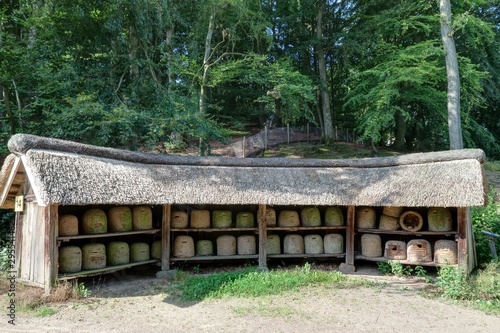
(70, 259)
(93, 256)
(313, 244)
(293, 244)
(418, 250)
(288, 218)
(119, 219)
(333, 243)
(395, 250)
(68, 225)
(117, 253)
(139, 251)
(200, 219)
(142, 218)
(94, 221)
(366, 218)
(334, 217)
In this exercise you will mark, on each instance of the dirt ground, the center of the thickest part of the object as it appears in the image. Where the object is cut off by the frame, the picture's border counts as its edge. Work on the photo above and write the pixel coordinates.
(140, 303)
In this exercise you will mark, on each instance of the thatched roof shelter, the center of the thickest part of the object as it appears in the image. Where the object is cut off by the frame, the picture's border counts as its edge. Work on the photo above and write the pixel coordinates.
(69, 173)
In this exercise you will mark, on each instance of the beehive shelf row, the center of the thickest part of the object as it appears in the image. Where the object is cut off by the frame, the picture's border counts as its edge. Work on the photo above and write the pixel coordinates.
(96, 221)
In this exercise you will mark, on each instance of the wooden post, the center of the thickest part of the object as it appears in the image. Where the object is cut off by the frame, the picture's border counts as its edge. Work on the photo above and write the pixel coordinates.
(51, 256)
(262, 223)
(165, 237)
(462, 238)
(350, 231)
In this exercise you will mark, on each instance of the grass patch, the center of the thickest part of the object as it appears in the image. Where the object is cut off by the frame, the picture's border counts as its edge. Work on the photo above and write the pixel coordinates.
(45, 311)
(251, 282)
(492, 166)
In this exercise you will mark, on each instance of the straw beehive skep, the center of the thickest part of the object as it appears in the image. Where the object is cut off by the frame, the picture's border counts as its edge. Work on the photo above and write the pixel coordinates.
(119, 219)
(293, 244)
(93, 256)
(270, 217)
(200, 219)
(156, 249)
(68, 225)
(366, 218)
(334, 217)
(310, 217)
(411, 221)
(70, 259)
(439, 219)
(393, 211)
(139, 251)
(183, 247)
(371, 245)
(333, 243)
(222, 219)
(204, 247)
(245, 220)
(388, 223)
(117, 253)
(313, 244)
(445, 252)
(94, 221)
(288, 218)
(395, 250)
(226, 245)
(418, 250)
(273, 245)
(142, 218)
(179, 220)
(246, 245)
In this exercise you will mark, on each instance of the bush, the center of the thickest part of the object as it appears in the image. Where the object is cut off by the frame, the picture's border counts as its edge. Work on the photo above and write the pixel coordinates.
(486, 218)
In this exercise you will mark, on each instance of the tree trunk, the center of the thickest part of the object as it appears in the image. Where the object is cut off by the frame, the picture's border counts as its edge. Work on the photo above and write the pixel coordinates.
(8, 109)
(452, 74)
(325, 98)
(134, 46)
(399, 142)
(206, 65)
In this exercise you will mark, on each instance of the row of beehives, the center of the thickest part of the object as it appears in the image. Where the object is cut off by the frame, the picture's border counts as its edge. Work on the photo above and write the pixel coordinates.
(393, 218)
(417, 250)
(228, 245)
(73, 259)
(309, 217)
(98, 221)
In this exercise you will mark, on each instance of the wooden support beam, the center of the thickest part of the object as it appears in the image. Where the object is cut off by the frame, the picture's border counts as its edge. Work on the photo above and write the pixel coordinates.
(165, 237)
(262, 223)
(461, 238)
(349, 257)
(51, 219)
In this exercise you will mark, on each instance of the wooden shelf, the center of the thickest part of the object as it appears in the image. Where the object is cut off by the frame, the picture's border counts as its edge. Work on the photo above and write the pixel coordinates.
(109, 234)
(109, 269)
(214, 229)
(404, 262)
(304, 255)
(404, 232)
(208, 258)
(304, 228)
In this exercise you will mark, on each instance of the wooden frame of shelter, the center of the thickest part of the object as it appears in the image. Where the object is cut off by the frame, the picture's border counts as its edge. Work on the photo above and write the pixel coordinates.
(50, 174)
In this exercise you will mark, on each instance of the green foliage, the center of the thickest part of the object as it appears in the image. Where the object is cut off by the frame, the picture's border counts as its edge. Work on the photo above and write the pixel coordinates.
(486, 218)
(44, 311)
(395, 268)
(453, 283)
(83, 292)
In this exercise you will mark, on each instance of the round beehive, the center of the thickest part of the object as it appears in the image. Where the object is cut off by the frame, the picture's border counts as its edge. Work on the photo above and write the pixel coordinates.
(200, 219)
(366, 218)
(68, 225)
(333, 243)
(313, 244)
(94, 221)
(246, 245)
(445, 252)
(371, 245)
(411, 221)
(93, 256)
(156, 249)
(117, 253)
(119, 219)
(288, 218)
(204, 248)
(334, 217)
(439, 219)
(142, 218)
(183, 247)
(222, 219)
(270, 217)
(293, 244)
(179, 220)
(226, 245)
(388, 223)
(70, 259)
(273, 245)
(418, 250)
(395, 250)
(393, 211)
(244, 220)
(139, 252)
(310, 217)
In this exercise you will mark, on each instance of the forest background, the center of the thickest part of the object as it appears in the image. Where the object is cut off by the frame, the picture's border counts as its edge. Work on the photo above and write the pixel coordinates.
(143, 74)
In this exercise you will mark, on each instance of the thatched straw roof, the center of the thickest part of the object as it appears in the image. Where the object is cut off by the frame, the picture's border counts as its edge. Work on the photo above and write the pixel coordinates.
(69, 173)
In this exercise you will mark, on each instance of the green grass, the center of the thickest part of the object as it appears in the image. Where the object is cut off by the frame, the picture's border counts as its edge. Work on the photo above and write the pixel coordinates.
(492, 166)
(44, 311)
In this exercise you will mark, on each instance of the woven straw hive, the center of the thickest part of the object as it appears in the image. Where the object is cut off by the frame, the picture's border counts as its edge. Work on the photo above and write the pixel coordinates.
(222, 219)
(334, 217)
(273, 245)
(142, 218)
(226, 245)
(200, 219)
(288, 218)
(371, 245)
(270, 217)
(117, 253)
(310, 217)
(392, 211)
(246, 245)
(156, 249)
(333, 243)
(70, 259)
(94, 221)
(293, 244)
(119, 219)
(313, 244)
(179, 220)
(388, 223)
(183, 247)
(366, 218)
(395, 250)
(411, 221)
(439, 219)
(445, 252)
(139, 251)
(68, 225)
(93, 256)
(418, 250)
(204, 247)
(244, 220)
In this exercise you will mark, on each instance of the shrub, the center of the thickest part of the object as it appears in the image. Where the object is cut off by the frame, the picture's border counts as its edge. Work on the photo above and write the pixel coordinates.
(486, 218)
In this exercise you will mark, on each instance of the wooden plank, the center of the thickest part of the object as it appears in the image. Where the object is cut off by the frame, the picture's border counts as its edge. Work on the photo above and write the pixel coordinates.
(214, 230)
(462, 238)
(211, 258)
(262, 223)
(349, 258)
(165, 237)
(109, 269)
(305, 228)
(112, 234)
(51, 254)
(5, 191)
(19, 242)
(404, 232)
(404, 262)
(307, 255)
